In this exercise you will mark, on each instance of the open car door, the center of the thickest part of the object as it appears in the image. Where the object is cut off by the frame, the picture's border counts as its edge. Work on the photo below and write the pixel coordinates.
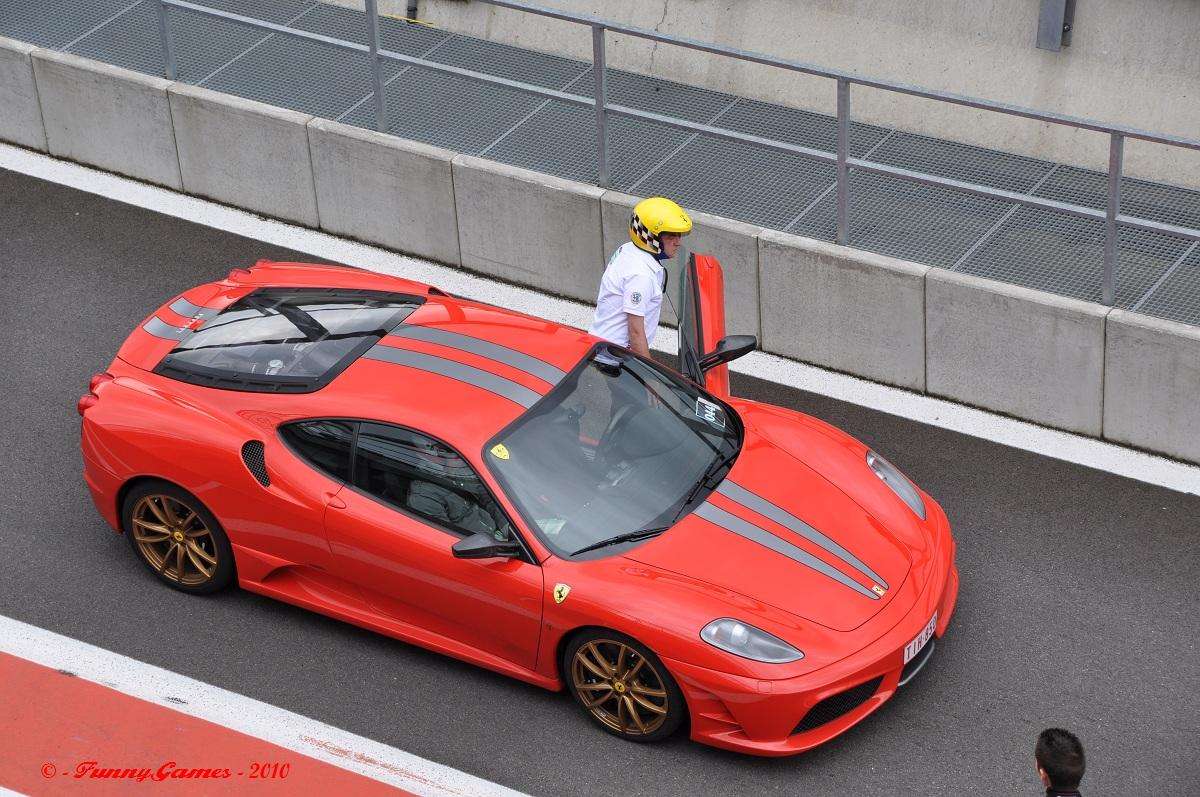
(704, 349)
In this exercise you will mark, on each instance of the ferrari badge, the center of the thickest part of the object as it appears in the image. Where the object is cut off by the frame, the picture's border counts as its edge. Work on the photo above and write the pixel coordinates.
(499, 451)
(560, 592)
(878, 590)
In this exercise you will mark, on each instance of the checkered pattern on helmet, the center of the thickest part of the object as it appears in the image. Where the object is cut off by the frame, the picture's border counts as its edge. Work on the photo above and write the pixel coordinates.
(648, 238)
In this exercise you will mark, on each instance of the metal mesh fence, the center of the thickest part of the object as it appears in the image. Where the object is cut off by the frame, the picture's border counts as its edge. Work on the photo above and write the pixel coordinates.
(560, 139)
(1175, 298)
(1157, 273)
(906, 220)
(56, 23)
(1063, 254)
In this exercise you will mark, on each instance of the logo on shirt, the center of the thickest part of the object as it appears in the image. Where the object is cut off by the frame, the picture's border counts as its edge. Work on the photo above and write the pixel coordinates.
(636, 297)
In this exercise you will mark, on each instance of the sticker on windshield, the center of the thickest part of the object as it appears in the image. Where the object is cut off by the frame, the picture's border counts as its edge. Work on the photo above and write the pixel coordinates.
(710, 413)
(552, 526)
(499, 451)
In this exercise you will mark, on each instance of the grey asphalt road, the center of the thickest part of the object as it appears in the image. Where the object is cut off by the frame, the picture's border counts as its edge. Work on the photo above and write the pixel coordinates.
(1078, 605)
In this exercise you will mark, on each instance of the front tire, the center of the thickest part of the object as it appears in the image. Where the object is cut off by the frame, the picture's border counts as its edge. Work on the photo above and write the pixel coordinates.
(176, 536)
(622, 686)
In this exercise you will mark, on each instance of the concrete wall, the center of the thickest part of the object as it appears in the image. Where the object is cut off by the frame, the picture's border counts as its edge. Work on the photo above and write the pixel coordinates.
(843, 308)
(20, 116)
(244, 153)
(106, 116)
(1023, 352)
(1152, 384)
(1059, 362)
(380, 188)
(1132, 62)
(528, 227)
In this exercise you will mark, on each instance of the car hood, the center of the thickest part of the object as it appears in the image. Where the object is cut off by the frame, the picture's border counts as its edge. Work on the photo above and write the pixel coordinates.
(780, 531)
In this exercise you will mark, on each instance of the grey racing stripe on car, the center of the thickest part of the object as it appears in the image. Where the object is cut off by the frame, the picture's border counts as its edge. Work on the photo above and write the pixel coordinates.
(742, 528)
(458, 371)
(161, 329)
(188, 310)
(735, 492)
(492, 351)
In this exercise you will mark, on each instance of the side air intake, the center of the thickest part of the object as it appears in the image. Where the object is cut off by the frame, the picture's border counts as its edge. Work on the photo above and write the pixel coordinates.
(255, 458)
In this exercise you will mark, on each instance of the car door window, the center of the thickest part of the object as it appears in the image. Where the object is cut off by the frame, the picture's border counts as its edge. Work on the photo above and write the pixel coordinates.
(325, 444)
(426, 478)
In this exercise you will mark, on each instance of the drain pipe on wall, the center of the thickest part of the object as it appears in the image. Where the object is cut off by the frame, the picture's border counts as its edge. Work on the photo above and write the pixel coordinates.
(411, 13)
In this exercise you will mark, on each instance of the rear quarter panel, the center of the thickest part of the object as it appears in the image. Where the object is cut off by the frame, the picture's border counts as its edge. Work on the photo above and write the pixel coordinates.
(146, 426)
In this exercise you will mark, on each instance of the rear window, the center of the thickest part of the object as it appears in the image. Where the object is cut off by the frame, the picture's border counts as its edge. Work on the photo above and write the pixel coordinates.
(286, 340)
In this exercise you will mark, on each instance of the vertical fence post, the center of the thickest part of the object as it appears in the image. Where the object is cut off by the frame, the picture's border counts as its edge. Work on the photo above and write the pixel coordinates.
(843, 146)
(167, 41)
(372, 10)
(1116, 155)
(600, 80)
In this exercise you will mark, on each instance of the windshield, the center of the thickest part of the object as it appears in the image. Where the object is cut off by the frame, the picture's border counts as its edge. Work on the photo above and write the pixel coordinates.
(612, 450)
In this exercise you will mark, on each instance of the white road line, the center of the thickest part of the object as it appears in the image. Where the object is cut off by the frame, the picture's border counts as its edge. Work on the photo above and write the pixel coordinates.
(240, 713)
(923, 409)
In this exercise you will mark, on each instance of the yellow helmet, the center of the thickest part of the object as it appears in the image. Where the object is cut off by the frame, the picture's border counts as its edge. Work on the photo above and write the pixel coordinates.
(654, 216)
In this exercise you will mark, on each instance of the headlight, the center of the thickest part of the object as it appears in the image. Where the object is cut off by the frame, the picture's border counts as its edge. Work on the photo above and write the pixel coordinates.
(745, 640)
(899, 483)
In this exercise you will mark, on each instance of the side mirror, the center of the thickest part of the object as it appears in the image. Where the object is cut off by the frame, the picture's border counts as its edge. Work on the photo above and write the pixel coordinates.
(729, 348)
(485, 546)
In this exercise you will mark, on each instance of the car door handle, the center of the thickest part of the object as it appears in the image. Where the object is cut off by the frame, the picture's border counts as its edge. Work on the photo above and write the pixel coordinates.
(333, 502)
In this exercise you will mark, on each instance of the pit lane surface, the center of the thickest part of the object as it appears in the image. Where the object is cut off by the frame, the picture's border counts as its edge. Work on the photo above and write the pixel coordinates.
(1078, 603)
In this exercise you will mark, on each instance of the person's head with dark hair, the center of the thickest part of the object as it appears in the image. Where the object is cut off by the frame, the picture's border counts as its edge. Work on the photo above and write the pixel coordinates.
(1059, 757)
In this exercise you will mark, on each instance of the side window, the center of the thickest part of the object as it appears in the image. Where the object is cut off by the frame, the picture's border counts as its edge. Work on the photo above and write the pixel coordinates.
(325, 444)
(424, 477)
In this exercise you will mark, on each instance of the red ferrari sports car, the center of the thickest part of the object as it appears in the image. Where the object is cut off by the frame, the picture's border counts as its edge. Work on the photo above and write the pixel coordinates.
(520, 495)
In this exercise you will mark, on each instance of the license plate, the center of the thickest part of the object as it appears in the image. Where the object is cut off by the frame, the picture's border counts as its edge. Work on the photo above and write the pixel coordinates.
(921, 640)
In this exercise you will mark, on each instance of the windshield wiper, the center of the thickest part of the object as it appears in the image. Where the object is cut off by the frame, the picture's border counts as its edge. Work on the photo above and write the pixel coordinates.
(632, 536)
(709, 473)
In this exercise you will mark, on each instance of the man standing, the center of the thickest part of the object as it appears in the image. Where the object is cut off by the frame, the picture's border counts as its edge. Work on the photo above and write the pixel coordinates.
(631, 290)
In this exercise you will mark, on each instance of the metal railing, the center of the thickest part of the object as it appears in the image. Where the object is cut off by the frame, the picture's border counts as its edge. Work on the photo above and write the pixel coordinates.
(840, 158)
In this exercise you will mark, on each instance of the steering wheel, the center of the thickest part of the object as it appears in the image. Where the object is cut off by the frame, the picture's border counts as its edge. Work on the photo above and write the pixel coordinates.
(609, 440)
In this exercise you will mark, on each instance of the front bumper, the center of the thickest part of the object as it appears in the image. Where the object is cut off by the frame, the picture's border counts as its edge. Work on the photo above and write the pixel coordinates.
(761, 717)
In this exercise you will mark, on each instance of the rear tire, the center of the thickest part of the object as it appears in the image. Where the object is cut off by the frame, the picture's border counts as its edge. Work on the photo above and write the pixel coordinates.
(177, 538)
(622, 686)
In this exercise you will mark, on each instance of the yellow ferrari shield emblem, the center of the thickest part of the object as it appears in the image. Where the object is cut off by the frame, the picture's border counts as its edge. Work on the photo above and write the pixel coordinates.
(560, 592)
(878, 590)
(499, 451)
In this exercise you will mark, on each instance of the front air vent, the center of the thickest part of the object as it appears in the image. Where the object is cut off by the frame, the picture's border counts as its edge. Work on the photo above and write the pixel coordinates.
(838, 705)
(255, 458)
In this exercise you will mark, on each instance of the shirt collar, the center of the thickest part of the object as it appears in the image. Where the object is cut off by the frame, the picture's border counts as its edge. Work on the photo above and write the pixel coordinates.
(650, 260)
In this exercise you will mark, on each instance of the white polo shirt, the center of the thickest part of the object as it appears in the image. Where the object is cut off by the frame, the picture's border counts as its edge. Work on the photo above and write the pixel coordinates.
(633, 284)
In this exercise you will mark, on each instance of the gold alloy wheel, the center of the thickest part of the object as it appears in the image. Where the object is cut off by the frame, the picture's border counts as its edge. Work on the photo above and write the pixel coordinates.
(619, 687)
(175, 540)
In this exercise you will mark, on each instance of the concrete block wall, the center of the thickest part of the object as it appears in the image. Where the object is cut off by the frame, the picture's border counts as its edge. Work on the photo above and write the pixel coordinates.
(529, 227)
(20, 116)
(379, 188)
(843, 309)
(107, 116)
(1025, 353)
(1152, 384)
(244, 153)
(1059, 362)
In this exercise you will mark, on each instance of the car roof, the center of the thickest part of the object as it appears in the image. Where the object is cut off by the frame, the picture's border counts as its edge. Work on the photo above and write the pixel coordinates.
(457, 369)
(460, 370)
